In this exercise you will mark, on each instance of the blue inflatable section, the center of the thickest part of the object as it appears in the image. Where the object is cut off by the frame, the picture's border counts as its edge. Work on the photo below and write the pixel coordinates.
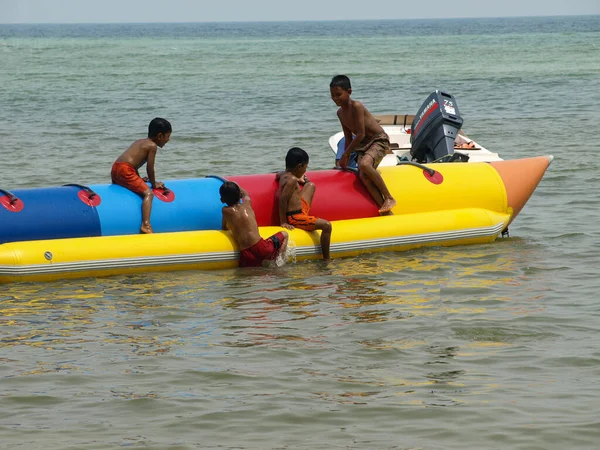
(197, 206)
(59, 212)
(48, 213)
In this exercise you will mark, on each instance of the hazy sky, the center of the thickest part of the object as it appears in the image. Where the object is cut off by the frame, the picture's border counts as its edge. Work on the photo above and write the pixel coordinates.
(80, 11)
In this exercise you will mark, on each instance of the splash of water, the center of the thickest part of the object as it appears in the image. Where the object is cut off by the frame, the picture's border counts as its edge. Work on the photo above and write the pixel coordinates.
(288, 256)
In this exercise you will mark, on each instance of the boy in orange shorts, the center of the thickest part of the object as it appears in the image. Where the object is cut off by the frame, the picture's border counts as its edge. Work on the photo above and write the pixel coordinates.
(240, 219)
(143, 151)
(294, 203)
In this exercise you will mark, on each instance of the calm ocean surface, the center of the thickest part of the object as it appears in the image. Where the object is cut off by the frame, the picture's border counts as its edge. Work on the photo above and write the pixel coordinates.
(480, 347)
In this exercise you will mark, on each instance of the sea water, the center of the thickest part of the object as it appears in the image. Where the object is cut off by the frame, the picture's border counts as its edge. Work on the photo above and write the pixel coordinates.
(485, 346)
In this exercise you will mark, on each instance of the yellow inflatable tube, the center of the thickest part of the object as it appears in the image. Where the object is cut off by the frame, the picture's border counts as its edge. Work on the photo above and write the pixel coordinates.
(502, 186)
(101, 256)
(477, 185)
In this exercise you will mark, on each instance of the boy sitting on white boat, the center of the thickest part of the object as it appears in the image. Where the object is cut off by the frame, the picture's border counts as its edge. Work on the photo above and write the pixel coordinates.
(364, 136)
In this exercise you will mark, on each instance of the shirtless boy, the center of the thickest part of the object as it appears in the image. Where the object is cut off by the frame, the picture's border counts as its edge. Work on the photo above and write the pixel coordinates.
(239, 218)
(364, 136)
(143, 151)
(294, 203)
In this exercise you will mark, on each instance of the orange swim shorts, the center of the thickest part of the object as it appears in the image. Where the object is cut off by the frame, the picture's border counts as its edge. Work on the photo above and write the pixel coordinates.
(125, 175)
(301, 219)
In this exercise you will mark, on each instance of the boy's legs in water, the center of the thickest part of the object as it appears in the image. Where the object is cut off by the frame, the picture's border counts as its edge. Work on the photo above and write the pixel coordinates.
(308, 192)
(375, 185)
(147, 197)
(325, 227)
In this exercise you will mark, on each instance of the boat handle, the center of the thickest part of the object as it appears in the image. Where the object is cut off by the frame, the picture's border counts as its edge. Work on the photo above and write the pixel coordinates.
(13, 198)
(217, 177)
(91, 194)
(429, 170)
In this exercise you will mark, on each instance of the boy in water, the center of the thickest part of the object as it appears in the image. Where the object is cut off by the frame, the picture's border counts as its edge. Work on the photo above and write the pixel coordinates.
(240, 219)
(364, 136)
(143, 151)
(294, 204)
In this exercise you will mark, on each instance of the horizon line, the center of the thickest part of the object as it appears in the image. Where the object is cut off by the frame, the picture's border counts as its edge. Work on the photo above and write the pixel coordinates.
(299, 20)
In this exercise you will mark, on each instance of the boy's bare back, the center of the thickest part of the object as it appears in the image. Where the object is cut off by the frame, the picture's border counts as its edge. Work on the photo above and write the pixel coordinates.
(356, 118)
(241, 221)
(139, 152)
(289, 188)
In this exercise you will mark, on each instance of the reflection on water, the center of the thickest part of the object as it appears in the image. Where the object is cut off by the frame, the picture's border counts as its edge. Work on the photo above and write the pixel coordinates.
(269, 305)
(389, 329)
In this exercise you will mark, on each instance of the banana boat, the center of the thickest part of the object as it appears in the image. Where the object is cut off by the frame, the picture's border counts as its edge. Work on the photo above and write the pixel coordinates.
(76, 231)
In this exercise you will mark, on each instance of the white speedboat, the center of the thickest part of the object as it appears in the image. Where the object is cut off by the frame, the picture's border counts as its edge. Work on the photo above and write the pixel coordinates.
(398, 128)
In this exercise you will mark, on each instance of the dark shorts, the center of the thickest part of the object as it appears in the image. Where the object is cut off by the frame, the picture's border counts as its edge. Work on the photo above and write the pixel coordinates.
(263, 250)
(376, 147)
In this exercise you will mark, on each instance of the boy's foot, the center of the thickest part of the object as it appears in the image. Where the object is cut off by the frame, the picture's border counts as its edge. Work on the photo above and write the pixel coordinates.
(386, 213)
(387, 206)
(146, 229)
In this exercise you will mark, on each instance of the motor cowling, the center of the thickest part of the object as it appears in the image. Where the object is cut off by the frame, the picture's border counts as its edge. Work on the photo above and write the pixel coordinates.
(435, 128)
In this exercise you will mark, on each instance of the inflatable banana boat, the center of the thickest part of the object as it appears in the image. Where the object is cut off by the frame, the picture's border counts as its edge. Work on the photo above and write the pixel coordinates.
(77, 231)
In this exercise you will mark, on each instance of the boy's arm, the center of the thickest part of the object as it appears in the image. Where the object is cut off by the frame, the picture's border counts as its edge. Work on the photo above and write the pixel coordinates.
(345, 156)
(353, 141)
(284, 199)
(244, 195)
(348, 135)
(224, 222)
(359, 126)
(150, 168)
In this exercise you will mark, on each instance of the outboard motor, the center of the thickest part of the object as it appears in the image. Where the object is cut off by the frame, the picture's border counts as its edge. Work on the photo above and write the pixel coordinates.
(434, 130)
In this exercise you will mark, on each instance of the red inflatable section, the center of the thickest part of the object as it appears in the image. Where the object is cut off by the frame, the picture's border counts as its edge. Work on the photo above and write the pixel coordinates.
(339, 196)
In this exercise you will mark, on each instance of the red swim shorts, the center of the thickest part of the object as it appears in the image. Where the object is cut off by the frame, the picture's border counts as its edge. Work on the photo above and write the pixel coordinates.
(265, 249)
(125, 175)
(301, 219)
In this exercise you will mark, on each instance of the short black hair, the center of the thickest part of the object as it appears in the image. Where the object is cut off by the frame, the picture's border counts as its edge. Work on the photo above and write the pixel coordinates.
(295, 156)
(157, 126)
(230, 193)
(340, 81)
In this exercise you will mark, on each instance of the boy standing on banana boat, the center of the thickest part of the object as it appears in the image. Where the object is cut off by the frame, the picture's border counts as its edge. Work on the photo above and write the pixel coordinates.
(364, 136)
